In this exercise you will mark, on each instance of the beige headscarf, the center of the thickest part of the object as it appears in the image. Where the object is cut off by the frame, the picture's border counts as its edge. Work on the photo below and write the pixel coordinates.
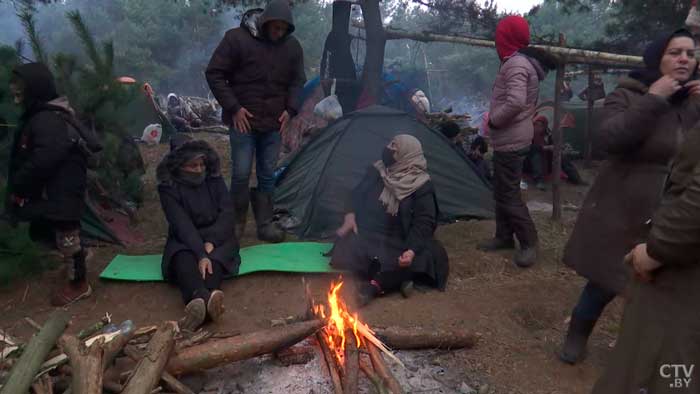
(406, 175)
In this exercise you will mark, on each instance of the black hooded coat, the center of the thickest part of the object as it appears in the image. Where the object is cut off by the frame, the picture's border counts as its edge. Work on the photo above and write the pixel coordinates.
(248, 70)
(197, 214)
(46, 167)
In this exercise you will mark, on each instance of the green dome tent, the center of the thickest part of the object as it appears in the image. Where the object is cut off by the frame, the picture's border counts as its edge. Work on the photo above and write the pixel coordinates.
(312, 189)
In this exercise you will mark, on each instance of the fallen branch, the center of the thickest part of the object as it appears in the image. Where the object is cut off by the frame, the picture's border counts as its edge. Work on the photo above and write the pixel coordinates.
(330, 363)
(23, 372)
(352, 364)
(150, 368)
(175, 385)
(214, 353)
(373, 378)
(86, 363)
(382, 370)
(421, 338)
(32, 323)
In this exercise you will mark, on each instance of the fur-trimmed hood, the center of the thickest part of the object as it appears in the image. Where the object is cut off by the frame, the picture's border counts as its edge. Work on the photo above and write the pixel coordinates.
(168, 168)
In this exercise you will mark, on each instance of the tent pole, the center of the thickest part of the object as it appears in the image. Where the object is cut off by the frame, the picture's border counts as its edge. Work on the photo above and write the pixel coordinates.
(588, 143)
(558, 138)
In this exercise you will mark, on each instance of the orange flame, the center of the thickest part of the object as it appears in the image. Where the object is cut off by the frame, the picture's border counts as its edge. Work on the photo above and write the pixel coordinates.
(339, 321)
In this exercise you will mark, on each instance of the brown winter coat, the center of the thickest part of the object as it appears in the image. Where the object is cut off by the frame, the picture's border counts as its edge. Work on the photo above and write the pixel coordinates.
(661, 324)
(247, 70)
(642, 134)
(513, 103)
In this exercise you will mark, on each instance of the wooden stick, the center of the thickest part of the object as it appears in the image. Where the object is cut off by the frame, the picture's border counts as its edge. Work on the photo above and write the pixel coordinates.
(175, 385)
(330, 363)
(214, 353)
(32, 323)
(86, 363)
(570, 55)
(376, 380)
(421, 338)
(23, 372)
(352, 364)
(378, 363)
(150, 368)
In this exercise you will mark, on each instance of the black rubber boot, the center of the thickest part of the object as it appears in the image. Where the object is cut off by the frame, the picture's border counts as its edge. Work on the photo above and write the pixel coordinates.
(496, 244)
(241, 200)
(268, 230)
(526, 257)
(574, 348)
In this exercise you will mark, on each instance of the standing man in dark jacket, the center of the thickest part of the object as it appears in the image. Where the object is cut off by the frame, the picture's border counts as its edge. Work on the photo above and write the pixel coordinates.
(47, 175)
(256, 74)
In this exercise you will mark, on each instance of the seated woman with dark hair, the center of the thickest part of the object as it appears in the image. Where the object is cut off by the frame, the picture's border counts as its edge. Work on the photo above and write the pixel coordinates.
(387, 235)
(201, 247)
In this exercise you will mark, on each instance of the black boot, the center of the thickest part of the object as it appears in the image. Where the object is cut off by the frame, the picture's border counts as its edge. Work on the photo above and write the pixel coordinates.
(268, 230)
(241, 200)
(574, 348)
(495, 244)
(526, 257)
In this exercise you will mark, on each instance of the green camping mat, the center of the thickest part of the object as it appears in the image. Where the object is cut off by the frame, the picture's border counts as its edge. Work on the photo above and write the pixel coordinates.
(284, 257)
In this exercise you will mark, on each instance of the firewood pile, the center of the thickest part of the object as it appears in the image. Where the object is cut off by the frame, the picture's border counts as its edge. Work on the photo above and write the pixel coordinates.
(435, 119)
(151, 359)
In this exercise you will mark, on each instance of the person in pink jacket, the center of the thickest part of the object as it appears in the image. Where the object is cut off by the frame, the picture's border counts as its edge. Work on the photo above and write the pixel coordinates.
(513, 104)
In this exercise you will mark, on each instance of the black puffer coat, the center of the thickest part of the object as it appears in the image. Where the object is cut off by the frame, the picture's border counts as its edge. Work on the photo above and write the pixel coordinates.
(197, 214)
(46, 167)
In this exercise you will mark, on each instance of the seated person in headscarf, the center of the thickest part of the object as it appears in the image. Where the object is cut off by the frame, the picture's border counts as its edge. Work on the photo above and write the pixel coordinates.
(387, 236)
(201, 247)
(181, 115)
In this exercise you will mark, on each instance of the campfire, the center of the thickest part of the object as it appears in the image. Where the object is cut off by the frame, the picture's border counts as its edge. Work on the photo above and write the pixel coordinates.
(140, 360)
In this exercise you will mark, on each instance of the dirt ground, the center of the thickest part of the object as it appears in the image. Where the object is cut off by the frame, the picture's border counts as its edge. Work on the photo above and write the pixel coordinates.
(521, 314)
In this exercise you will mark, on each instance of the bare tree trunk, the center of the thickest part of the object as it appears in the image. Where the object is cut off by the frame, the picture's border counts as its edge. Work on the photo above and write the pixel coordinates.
(558, 143)
(376, 42)
(149, 370)
(588, 140)
(23, 373)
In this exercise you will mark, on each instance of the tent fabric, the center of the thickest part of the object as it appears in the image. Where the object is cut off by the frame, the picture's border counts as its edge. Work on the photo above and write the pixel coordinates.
(299, 257)
(317, 180)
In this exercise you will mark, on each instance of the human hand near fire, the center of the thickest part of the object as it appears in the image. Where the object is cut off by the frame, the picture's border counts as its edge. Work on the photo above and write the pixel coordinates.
(643, 265)
(284, 122)
(406, 259)
(349, 224)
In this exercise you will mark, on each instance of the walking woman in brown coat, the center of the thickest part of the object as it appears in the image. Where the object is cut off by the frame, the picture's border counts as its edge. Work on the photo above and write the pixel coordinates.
(644, 122)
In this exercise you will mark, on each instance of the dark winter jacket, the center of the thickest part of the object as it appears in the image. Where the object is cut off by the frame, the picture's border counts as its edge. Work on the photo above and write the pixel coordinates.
(197, 214)
(247, 70)
(46, 167)
(661, 321)
(642, 133)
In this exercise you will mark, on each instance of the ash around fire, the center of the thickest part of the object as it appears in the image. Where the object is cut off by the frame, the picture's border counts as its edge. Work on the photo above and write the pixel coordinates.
(266, 375)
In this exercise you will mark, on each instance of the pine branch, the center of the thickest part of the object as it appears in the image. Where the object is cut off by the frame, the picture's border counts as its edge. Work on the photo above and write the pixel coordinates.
(86, 38)
(26, 17)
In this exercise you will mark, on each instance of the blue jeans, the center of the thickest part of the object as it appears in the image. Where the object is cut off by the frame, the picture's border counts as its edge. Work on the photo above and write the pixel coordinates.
(265, 146)
(593, 301)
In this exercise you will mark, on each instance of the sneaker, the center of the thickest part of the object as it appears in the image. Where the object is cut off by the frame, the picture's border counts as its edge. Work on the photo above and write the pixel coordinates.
(215, 305)
(495, 244)
(195, 313)
(526, 257)
(70, 293)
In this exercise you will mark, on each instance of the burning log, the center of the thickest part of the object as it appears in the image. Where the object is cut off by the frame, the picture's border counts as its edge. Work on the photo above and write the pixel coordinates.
(382, 370)
(150, 368)
(421, 338)
(331, 363)
(86, 363)
(23, 372)
(213, 353)
(352, 364)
